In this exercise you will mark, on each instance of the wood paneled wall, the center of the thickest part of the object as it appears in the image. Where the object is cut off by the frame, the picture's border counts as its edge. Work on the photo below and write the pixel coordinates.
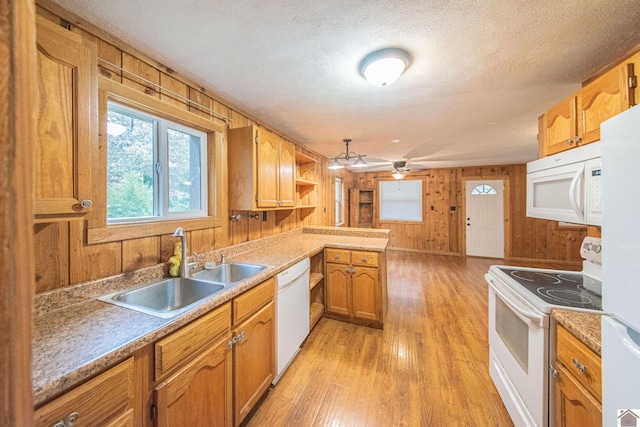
(62, 256)
(441, 231)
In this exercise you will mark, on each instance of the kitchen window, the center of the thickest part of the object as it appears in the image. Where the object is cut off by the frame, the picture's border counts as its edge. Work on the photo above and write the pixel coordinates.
(401, 200)
(156, 168)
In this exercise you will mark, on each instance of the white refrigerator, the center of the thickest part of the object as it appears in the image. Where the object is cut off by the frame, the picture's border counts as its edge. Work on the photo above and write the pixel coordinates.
(620, 138)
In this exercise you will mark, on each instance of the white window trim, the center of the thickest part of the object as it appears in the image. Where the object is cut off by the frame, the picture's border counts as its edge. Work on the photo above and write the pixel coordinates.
(160, 155)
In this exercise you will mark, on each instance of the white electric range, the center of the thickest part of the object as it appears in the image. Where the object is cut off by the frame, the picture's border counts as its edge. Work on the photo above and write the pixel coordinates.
(520, 303)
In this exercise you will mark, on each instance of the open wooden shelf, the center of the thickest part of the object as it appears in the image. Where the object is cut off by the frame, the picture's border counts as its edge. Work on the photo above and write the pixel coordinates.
(314, 279)
(315, 313)
(301, 182)
(306, 206)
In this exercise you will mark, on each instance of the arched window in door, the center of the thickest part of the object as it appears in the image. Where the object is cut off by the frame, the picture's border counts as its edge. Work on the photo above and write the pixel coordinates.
(482, 190)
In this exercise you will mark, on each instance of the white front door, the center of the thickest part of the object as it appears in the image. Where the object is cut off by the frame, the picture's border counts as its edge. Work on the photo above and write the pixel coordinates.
(485, 218)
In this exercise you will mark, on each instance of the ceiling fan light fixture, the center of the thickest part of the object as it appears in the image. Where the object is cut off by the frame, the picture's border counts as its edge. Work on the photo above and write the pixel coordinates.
(385, 66)
(398, 175)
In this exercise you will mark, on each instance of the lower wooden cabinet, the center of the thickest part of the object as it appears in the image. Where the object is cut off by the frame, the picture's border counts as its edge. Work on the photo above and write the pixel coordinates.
(253, 360)
(106, 400)
(253, 347)
(578, 383)
(200, 393)
(355, 286)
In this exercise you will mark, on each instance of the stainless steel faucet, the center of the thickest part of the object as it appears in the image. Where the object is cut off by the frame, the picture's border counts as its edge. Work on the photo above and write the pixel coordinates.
(184, 264)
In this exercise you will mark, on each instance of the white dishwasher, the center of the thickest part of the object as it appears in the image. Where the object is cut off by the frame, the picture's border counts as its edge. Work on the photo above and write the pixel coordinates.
(292, 314)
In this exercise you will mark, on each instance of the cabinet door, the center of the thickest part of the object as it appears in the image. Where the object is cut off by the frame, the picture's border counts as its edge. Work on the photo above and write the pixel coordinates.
(67, 123)
(200, 393)
(366, 303)
(338, 289)
(254, 360)
(600, 100)
(287, 174)
(574, 405)
(107, 399)
(559, 127)
(267, 147)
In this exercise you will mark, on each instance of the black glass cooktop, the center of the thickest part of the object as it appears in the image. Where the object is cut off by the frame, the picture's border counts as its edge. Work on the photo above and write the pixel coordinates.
(562, 289)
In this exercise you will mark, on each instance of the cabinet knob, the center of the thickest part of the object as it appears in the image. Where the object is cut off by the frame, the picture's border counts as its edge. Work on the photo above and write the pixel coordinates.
(364, 259)
(86, 203)
(71, 420)
(577, 139)
(579, 365)
(569, 141)
(336, 256)
(553, 371)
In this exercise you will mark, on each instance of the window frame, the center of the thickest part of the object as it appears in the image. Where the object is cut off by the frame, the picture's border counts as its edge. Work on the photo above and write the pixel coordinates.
(340, 216)
(161, 127)
(401, 221)
(98, 231)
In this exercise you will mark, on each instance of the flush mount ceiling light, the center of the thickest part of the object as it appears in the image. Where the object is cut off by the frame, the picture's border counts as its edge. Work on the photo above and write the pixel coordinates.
(384, 66)
(345, 159)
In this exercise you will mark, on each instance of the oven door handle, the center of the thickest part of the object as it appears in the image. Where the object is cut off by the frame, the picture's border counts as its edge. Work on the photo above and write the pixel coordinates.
(526, 313)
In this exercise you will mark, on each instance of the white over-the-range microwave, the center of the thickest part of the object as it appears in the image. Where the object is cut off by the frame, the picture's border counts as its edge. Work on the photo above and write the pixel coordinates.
(567, 186)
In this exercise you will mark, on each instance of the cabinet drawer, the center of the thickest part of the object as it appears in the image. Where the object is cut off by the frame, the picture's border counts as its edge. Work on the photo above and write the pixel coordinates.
(574, 354)
(364, 258)
(340, 256)
(249, 302)
(100, 401)
(187, 342)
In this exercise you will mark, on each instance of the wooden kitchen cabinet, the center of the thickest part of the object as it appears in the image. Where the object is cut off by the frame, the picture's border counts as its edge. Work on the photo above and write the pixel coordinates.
(198, 358)
(355, 286)
(67, 126)
(261, 170)
(200, 393)
(576, 120)
(253, 347)
(578, 383)
(106, 400)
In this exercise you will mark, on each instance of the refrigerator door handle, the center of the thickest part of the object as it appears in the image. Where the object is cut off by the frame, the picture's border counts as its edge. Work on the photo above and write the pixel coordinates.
(631, 343)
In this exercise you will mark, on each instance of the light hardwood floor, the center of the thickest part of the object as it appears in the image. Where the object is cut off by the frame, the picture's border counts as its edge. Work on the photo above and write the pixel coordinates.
(428, 367)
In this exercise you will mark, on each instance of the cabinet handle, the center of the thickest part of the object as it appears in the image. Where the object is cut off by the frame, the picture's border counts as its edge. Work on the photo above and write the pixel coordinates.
(336, 256)
(553, 371)
(579, 365)
(241, 336)
(577, 139)
(71, 420)
(86, 203)
(230, 344)
(569, 141)
(364, 259)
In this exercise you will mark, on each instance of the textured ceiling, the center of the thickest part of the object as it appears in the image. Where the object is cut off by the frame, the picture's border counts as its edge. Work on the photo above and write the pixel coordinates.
(482, 71)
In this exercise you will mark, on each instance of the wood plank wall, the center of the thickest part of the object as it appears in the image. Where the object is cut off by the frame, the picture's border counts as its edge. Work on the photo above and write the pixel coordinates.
(441, 231)
(62, 257)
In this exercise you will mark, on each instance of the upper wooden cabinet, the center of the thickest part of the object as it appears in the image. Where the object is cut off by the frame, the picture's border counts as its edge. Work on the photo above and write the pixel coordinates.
(261, 170)
(67, 123)
(576, 120)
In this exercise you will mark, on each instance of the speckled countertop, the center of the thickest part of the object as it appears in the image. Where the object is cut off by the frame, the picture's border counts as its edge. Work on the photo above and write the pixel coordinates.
(585, 326)
(76, 336)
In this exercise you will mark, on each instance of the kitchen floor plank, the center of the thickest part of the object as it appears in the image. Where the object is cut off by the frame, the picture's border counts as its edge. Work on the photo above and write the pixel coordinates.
(428, 367)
